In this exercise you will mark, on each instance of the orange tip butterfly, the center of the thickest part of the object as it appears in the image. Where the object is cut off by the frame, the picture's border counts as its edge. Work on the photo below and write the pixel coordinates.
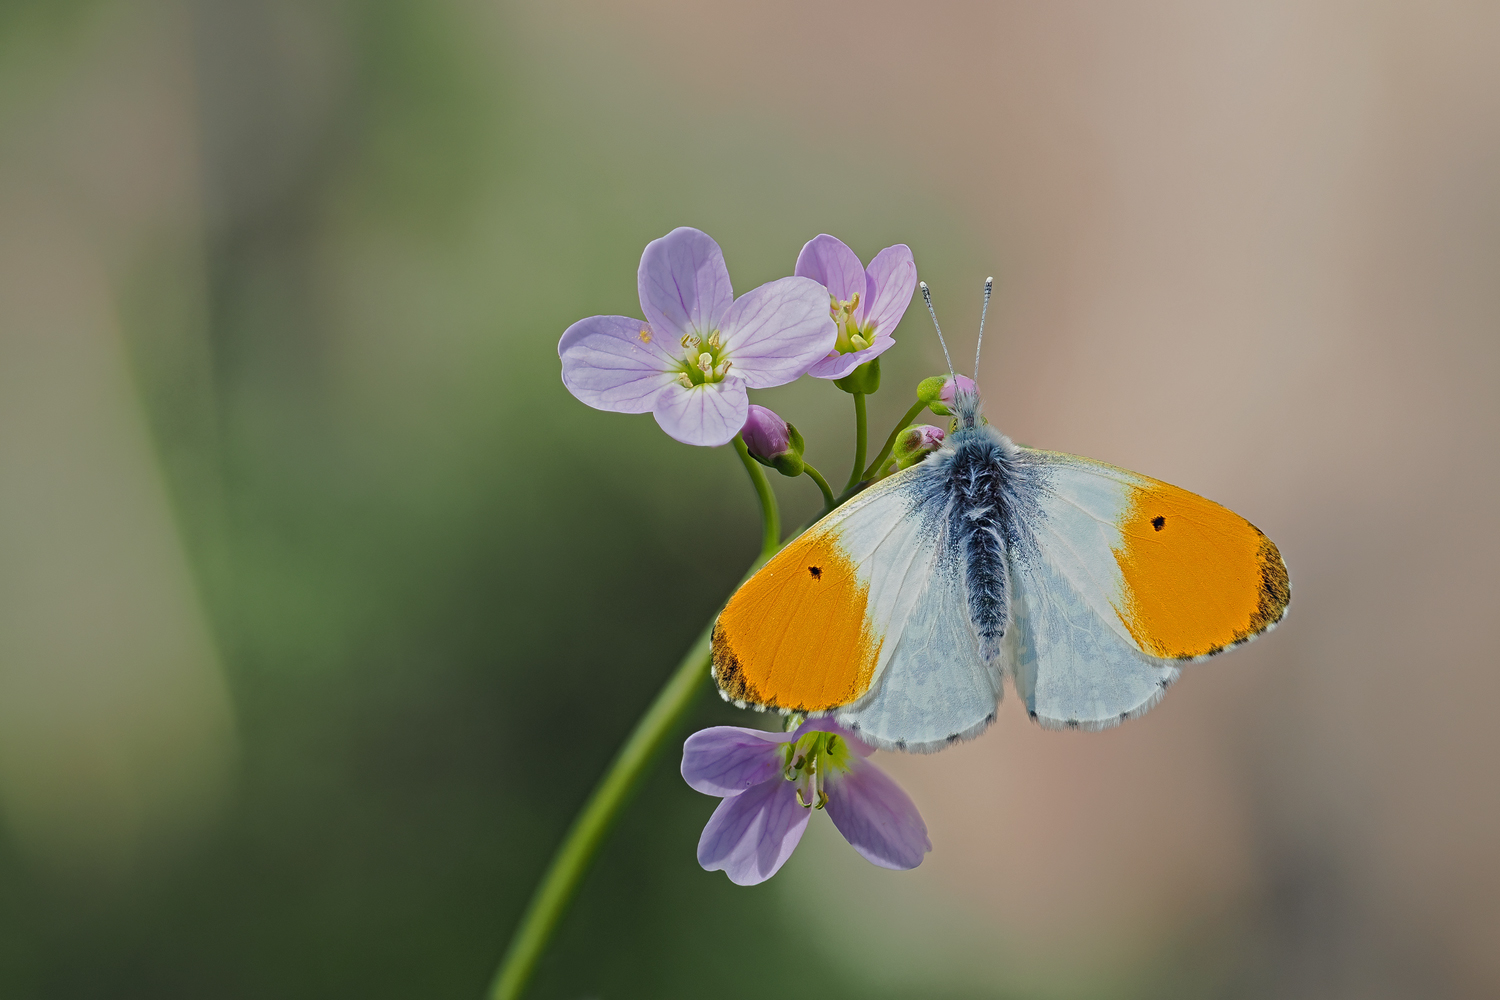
(901, 613)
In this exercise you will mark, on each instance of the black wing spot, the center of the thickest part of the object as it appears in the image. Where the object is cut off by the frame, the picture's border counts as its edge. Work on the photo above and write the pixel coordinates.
(1072, 723)
(1158, 522)
(900, 744)
(1124, 716)
(952, 737)
(816, 571)
(1032, 715)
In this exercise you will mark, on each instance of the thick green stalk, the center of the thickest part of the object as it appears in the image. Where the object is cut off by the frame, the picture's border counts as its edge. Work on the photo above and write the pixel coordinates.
(626, 771)
(890, 442)
(861, 442)
(593, 824)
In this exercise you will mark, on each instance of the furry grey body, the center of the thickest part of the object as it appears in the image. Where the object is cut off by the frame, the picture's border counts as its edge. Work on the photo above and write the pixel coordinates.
(990, 500)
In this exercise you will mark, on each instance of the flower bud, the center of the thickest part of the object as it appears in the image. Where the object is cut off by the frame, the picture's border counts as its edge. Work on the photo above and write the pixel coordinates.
(772, 441)
(938, 392)
(916, 443)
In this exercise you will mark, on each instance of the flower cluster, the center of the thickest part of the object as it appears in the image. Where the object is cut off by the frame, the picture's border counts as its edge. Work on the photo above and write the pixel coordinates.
(699, 348)
(690, 362)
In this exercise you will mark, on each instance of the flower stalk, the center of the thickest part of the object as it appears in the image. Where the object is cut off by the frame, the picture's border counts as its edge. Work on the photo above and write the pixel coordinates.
(890, 442)
(770, 514)
(615, 789)
(829, 500)
(861, 443)
(620, 782)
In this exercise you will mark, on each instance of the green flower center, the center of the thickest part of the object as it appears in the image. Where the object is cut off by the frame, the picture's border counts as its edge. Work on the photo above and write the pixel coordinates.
(703, 360)
(852, 336)
(810, 760)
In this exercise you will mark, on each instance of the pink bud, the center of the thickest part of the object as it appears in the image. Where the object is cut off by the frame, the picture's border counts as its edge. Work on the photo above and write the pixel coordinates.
(915, 443)
(766, 435)
(953, 385)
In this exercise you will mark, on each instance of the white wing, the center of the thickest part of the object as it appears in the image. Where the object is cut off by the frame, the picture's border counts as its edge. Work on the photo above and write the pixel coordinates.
(1071, 669)
(933, 687)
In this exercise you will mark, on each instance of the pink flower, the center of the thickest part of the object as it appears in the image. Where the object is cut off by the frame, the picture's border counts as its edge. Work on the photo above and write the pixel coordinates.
(771, 782)
(700, 348)
(866, 303)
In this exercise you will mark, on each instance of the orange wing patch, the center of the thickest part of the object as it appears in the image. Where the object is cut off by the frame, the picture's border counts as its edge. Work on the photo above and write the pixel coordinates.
(1198, 577)
(798, 635)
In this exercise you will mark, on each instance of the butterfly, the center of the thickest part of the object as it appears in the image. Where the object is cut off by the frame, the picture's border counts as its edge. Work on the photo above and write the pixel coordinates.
(901, 613)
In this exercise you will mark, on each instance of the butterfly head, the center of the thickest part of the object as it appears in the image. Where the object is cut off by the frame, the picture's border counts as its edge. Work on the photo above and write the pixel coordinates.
(967, 410)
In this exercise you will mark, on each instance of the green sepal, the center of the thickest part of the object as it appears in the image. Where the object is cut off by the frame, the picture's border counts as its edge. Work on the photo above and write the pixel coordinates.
(789, 463)
(928, 391)
(865, 378)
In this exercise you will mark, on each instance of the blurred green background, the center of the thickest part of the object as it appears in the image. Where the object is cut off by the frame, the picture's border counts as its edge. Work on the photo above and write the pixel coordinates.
(323, 605)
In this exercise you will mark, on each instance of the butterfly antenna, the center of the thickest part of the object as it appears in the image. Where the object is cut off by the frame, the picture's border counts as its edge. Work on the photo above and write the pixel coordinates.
(989, 286)
(927, 297)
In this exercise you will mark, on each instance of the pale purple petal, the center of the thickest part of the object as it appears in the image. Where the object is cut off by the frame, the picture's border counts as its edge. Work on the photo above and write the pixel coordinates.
(750, 836)
(776, 332)
(877, 818)
(726, 760)
(684, 284)
(709, 415)
(839, 365)
(830, 263)
(891, 279)
(615, 363)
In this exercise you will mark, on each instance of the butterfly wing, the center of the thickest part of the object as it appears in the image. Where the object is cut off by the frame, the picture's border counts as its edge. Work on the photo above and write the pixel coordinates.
(861, 604)
(1126, 579)
(936, 688)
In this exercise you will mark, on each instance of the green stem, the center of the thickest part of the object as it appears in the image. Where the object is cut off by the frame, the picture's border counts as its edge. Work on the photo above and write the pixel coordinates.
(890, 442)
(588, 831)
(770, 515)
(861, 441)
(624, 776)
(829, 500)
